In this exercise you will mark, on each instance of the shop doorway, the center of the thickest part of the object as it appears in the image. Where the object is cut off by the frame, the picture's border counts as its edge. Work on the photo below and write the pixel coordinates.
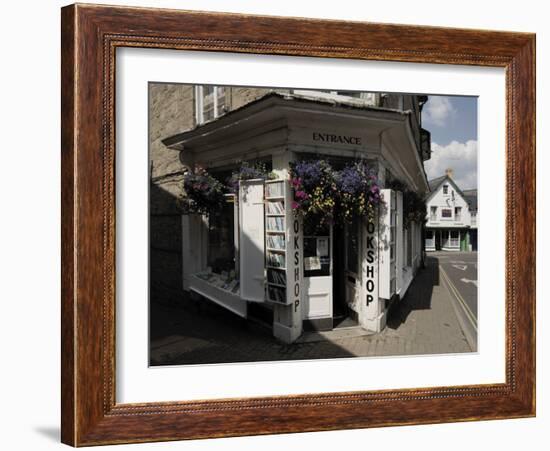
(339, 305)
(344, 275)
(437, 240)
(473, 239)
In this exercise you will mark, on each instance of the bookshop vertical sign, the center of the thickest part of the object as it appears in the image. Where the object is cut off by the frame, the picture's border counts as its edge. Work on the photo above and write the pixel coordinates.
(297, 262)
(294, 273)
(371, 292)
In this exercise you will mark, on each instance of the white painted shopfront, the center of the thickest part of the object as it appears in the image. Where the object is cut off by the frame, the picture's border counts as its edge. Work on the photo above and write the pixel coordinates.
(452, 216)
(260, 254)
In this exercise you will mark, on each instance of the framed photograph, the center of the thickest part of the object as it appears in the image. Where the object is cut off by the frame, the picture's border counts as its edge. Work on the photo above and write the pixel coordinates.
(278, 225)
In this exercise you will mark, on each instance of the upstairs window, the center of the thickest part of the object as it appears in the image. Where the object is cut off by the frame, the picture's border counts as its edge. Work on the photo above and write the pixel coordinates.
(366, 98)
(446, 213)
(445, 189)
(458, 213)
(209, 103)
(433, 213)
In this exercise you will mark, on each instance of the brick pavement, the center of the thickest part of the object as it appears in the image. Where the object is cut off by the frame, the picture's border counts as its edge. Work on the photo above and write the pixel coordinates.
(424, 322)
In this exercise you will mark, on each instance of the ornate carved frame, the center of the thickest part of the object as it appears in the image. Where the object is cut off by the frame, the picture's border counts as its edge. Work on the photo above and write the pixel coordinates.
(90, 36)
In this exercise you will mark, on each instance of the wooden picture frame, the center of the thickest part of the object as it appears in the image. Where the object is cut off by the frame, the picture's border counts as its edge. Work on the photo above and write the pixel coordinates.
(90, 412)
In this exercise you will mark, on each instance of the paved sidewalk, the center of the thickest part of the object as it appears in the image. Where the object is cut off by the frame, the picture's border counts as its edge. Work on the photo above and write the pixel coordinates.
(422, 323)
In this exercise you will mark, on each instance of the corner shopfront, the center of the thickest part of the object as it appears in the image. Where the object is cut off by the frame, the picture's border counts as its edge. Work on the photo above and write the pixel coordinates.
(258, 254)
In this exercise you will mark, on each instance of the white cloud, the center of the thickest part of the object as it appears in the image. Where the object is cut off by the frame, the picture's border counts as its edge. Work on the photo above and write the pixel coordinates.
(437, 110)
(460, 157)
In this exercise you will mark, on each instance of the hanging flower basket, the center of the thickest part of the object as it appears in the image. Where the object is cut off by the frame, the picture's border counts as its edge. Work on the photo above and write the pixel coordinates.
(314, 189)
(330, 196)
(358, 192)
(203, 194)
(248, 172)
(414, 206)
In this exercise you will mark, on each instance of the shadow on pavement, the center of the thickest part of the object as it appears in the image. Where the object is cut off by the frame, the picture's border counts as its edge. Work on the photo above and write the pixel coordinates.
(201, 332)
(419, 294)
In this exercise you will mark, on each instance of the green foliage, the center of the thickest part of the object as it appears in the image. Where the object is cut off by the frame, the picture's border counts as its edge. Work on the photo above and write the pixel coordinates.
(414, 206)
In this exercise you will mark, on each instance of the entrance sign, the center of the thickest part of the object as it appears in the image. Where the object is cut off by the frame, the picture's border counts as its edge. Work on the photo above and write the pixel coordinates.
(333, 138)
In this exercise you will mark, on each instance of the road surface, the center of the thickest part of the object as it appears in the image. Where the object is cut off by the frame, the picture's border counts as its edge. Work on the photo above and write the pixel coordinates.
(458, 271)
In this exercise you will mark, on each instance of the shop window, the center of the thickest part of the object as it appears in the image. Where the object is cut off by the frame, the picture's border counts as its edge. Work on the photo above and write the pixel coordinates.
(446, 213)
(455, 238)
(221, 241)
(210, 102)
(316, 249)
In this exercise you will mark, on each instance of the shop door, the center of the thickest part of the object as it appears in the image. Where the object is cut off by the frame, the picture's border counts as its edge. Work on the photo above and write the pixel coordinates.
(339, 287)
(318, 268)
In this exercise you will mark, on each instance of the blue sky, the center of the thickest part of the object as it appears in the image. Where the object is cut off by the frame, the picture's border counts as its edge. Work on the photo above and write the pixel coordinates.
(452, 122)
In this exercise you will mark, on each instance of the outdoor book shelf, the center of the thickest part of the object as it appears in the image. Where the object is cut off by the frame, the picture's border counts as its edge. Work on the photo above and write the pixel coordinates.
(277, 210)
(213, 287)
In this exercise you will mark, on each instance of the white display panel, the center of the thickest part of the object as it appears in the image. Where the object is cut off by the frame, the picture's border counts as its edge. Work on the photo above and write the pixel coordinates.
(138, 383)
(251, 242)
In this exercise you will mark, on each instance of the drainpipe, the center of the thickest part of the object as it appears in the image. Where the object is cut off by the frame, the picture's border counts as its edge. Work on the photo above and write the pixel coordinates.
(423, 237)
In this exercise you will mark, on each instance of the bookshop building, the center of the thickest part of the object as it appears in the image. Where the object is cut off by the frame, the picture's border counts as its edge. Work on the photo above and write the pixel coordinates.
(259, 256)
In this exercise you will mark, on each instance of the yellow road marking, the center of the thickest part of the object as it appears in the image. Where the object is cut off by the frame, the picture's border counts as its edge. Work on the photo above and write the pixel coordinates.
(459, 298)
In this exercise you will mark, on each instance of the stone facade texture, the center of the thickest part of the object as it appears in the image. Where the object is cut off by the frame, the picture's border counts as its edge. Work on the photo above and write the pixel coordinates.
(244, 95)
(171, 110)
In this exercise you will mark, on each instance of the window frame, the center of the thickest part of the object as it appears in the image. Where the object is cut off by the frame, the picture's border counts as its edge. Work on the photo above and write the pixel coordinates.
(454, 242)
(447, 218)
(199, 103)
(458, 213)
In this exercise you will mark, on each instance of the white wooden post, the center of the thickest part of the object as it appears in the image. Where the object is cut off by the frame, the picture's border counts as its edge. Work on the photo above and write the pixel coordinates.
(287, 319)
(369, 313)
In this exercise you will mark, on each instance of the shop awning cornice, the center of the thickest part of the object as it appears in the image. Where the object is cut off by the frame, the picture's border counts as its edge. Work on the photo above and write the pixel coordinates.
(287, 101)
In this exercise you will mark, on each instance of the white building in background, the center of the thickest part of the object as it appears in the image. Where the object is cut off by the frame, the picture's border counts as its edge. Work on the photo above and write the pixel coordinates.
(452, 216)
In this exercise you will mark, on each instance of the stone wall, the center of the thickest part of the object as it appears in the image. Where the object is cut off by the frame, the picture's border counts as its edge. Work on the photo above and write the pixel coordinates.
(242, 95)
(171, 110)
